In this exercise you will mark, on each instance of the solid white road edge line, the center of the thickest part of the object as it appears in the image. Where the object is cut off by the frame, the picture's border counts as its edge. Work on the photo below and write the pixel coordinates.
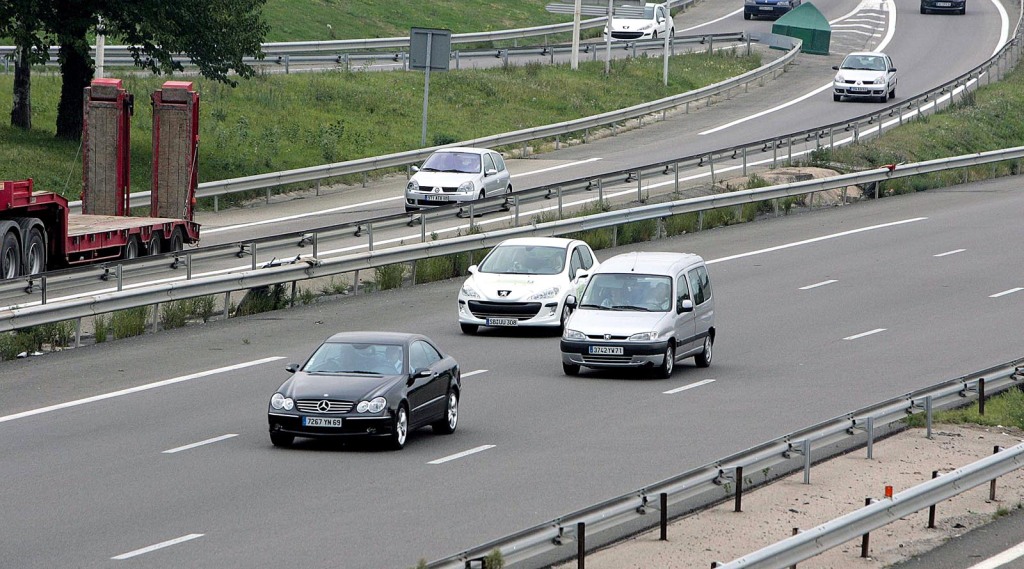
(138, 388)
(461, 454)
(868, 333)
(200, 443)
(1002, 558)
(953, 252)
(1006, 292)
(691, 386)
(816, 285)
(176, 541)
(474, 372)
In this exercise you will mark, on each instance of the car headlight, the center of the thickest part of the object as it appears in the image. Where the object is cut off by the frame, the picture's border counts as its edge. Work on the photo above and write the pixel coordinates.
(544, 294)
(879, 80)
(644, 337)
(573, 335)
(466, 188)
(468, 290)
(784, 4)
(749, 2)
(413, 186)
(279, 401)
(375, 405)
(839, 79)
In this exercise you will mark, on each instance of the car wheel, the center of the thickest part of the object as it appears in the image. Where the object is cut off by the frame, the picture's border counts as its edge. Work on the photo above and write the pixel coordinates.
(963, 10)
(570, 369)
(153, 247)
(746, 16)
(923, 11)
(508, 198)
(446, 425)
(35, 253)
(837, 98)
(282, 440)
(400, 429)
(892, 94)
(703, 359)
(669, 365)
(131, 249)
(468, 328)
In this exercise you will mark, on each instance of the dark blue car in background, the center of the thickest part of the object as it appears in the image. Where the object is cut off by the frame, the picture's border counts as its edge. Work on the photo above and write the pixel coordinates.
(767, 8)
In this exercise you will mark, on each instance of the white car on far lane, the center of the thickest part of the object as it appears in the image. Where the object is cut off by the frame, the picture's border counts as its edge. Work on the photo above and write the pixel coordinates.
(457, 175)
(654, 24)
(524, 282)
(865, 75)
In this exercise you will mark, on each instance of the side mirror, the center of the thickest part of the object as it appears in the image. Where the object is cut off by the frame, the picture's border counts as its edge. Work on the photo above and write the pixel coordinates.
(471, 270)
(834, 67)
(415, 169)
(892, 70)
(490, 172)
(570, 301)
(421, 372)
(580, 275)
(686, 306)
(291, 368)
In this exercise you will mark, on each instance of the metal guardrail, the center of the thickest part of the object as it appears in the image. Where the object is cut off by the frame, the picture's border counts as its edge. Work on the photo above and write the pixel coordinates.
(722, 479)
(14, 318)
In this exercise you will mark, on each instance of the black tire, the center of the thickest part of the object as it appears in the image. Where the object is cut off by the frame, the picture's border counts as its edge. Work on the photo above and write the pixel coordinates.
(10, 255)
(468, 328)
(570, 369)
(746, 16)
(963, 10)
(892, 94)
(446, 425)
(400, 429)
(837, 98)
(666, 368)
(177, 241)
(283, 440)
(132, 248)
(34, 253)
(923, 11)
(703, 359)
(155, 244)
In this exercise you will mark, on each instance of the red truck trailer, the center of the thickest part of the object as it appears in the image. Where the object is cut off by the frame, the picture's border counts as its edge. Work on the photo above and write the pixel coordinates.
(38, 231)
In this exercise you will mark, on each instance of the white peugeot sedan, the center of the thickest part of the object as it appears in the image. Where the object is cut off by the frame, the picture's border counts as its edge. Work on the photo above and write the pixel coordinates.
(655, 23)
(457, 175)
(524, 282)
(865, 75)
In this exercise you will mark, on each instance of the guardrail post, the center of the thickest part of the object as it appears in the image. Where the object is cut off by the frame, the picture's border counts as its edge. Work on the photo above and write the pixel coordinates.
(291, 302)
(457, 61)
(639, 188)
(119, 281)
(78, 332)
(675, 176)
(738, 505)
(931, 509)
(981, 396)
(227, 304)
(316, 237)
(831, 139)
(42, 289)
(711, 162)
(515, 204)
(268, 196)
(871, 437)
(558, 194)
(744, 160)
(928, 416)
(795, 531)
(992, 485)
(253, 245)
(866, 537)
(156, 312)
(807, 461)
(663, 497)
(287, 61)
(581, 545)
(355, 283)
(600, 190)
(775, 154)
(789, 156)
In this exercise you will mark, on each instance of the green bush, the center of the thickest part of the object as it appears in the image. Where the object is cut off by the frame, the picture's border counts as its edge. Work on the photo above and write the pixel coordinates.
(101, 326)
(638, 231)
(174, 314)
(719, 217)
(683, 223)
(389, 276)
(129, 322)
(203, 307)
(261, 299)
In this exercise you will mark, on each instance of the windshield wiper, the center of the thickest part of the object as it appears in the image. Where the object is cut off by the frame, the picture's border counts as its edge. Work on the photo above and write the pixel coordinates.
(630, 307)
(597, 306)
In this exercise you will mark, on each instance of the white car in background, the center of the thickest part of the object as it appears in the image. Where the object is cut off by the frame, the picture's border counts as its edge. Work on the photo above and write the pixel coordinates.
(655, 23)
(457, 175)
(524, 282)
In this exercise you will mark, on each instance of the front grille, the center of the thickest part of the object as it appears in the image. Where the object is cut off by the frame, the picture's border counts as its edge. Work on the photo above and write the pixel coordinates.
(520, 310)
(444, 189)
(601, 337)
(606, 359)
(627, 35)
(310, 406)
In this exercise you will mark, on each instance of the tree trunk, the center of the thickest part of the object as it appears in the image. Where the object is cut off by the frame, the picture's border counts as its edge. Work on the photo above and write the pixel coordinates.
(76, 68)
(21, 109)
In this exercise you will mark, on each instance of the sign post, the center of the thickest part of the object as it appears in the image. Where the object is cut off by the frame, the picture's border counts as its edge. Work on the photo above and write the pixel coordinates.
(429, 49)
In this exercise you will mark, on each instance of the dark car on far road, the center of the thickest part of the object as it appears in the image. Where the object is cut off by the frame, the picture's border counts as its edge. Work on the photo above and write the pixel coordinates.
(368, 384)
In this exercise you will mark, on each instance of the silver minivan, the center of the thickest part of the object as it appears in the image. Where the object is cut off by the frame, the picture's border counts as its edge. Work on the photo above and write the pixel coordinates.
(642, 310)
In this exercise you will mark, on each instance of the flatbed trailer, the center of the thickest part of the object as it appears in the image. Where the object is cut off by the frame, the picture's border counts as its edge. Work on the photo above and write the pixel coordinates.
(38, 231)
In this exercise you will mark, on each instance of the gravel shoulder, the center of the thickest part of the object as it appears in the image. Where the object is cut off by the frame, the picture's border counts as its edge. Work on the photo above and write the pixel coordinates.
(837, 487)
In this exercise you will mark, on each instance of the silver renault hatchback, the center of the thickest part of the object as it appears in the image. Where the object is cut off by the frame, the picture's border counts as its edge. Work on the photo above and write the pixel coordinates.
(642, 310)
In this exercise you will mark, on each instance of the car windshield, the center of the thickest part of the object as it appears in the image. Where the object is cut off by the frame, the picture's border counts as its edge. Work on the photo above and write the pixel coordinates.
(524, 260)
(648, 12)
(627, 291)
(462, 162)
(864, 63)
(356, 358)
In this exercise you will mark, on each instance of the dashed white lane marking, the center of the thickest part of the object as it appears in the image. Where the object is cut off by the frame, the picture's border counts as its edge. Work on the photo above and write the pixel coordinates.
(1001, 559)
(953, 252)
(462, 454)
(690, 386)
(200, 443)
(816, 285)
(474, 372)
(1006, 292)
(162, 545)
(137, 388)
(862, 334)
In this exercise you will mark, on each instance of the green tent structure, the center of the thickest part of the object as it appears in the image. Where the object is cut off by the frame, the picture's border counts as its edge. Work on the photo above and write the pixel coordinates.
(805, 22)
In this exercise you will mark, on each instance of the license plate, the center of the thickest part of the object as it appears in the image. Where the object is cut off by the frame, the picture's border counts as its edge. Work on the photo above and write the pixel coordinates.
(502, 322)
(321, 422)
(767, 8)
(606, 350)
(858, 90)
(944, 4)
(437, 198)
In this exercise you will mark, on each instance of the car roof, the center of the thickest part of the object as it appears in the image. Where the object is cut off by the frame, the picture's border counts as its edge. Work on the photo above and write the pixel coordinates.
(538, 241)
(373, 337)
(865, 53)
(469, 149)
(649, 262)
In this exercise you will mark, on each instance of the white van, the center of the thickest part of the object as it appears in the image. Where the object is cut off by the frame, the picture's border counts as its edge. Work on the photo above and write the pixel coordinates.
(642, 310)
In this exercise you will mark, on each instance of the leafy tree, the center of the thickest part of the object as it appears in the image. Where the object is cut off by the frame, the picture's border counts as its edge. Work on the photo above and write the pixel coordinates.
(215, 36)
(18, 19)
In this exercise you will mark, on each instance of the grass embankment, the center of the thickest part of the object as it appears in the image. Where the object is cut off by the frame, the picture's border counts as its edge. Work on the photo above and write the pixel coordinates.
(280, 122)
(1005, 409)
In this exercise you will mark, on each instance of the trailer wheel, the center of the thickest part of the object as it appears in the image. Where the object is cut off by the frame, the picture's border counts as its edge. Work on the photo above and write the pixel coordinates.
(131, 249)
(10, 255)
(35, 252)
(177, 242)
(153, 247)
